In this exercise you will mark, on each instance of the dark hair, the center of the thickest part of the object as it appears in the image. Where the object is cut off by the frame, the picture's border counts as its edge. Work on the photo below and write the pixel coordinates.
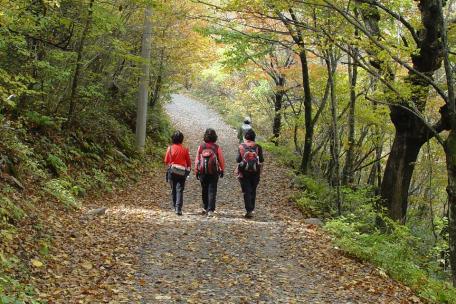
(250, 135)
(177, 137)
(210, 136)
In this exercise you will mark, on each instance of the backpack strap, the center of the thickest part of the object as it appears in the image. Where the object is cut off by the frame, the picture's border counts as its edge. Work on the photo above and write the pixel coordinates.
(245, 147)
(171, 154)
(215, 148)
(242, 148)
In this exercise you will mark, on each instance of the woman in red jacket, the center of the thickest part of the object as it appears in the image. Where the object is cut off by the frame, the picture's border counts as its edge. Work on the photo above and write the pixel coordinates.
(209, 166)
(179, 165)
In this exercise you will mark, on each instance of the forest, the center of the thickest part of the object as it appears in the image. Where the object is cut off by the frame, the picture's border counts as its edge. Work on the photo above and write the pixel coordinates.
(355, 97)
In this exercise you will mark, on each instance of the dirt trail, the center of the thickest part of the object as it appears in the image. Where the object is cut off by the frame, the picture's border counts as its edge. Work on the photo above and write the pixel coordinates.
(274, 258)
(141, 252)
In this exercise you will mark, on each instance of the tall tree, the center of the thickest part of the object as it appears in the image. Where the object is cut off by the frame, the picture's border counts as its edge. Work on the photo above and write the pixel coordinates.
(295, 31)
(411, 130)
(331, 64)
(79, 63)
(347, 175)
(450, 142)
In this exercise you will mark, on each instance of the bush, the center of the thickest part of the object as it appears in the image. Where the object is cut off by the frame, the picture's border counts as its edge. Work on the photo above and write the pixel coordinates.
(395, 252)
(9, 212)
(42, 122)
(11, 290)
(397, 249)
(316, 197)
(56, 164)
(97, 152)
(284, 154)
(62, 191)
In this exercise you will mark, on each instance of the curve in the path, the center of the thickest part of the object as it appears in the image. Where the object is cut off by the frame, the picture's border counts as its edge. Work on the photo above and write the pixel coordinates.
(273, 258)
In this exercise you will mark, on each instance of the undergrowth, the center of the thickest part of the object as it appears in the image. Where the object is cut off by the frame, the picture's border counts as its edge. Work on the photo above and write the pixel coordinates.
(404, 252)
(41, 162)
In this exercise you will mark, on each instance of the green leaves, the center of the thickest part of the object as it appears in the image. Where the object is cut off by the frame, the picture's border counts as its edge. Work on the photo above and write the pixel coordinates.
(57, 164)
(61, 190)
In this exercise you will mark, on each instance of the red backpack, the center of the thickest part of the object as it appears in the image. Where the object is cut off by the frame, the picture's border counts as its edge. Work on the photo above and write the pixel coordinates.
(250, 161)
(208, 161)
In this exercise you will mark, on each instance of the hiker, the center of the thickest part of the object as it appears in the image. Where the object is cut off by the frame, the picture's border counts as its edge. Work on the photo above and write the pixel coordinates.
(247, 125)
(209, 166)
(250, 161)
(177, 159)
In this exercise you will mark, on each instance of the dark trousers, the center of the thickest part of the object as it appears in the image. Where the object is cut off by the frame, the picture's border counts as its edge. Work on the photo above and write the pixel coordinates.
(249, 184)
(209, 191)
(177, 187)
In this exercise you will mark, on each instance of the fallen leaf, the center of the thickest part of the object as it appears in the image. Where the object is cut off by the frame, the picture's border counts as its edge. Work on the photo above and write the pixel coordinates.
(87, 265)
(37, 263)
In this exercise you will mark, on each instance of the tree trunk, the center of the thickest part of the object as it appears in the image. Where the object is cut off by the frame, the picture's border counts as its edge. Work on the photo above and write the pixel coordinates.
(157, 90)
(347, 176)
(296, 34)
(375, 175)
(159, 80)
(331, 62)
(141, 118)
(450, 151)
(411, 134)
(308, 139)
(77, 71)
(295, 137)
(450, 143)
(277, 124)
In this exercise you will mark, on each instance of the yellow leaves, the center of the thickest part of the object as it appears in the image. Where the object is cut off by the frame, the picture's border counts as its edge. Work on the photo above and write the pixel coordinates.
(37, 263)
(52, 3)
(87, 265)
(414, 299)
(162, 297)
(226, 259)
(194, 285)
(382, 273)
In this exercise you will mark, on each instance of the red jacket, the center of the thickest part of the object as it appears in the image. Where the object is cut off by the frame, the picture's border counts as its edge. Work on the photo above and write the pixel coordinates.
(179, 155)
(220, 158)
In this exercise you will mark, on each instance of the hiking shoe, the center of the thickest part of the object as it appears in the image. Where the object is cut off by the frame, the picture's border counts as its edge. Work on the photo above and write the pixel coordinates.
(249, 215)
(179, 212)
(210, 214)
(203, 212)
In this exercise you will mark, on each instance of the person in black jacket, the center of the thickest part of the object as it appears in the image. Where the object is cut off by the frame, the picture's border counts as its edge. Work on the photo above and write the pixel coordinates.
(250, 161)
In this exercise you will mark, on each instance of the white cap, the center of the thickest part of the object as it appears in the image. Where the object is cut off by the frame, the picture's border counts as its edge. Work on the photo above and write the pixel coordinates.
(247, 119)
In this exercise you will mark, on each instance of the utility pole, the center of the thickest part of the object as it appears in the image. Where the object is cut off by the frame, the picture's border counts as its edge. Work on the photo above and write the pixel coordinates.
(143, 96)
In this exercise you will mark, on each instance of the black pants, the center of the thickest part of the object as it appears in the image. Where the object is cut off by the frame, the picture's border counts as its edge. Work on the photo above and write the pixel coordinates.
(209, 191)
(249, 184)
(177, 186)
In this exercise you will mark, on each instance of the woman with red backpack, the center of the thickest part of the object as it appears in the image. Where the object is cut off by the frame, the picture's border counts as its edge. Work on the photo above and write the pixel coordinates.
(209, 166)
(250, 160)
(177, 159)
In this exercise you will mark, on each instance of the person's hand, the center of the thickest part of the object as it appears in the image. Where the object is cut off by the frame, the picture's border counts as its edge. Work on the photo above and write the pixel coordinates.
(221, 174)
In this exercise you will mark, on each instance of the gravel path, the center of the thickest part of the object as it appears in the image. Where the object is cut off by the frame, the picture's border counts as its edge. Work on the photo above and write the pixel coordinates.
(273, 258)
